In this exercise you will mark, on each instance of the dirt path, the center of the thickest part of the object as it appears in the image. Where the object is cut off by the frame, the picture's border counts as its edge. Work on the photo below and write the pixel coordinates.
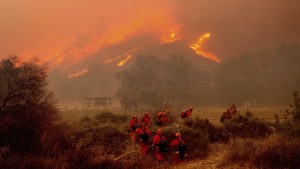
(213, 161)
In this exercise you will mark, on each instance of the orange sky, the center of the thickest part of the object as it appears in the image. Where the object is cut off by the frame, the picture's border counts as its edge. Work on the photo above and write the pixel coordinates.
(66, 31)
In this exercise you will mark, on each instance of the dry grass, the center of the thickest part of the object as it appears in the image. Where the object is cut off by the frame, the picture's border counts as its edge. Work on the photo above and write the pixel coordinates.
(212, 114)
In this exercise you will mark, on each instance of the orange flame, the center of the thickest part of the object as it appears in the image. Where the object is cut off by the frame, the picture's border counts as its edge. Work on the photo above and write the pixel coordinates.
(127, 54)
(197, 47)
(79, 73)
(171, 37)
(128, 57)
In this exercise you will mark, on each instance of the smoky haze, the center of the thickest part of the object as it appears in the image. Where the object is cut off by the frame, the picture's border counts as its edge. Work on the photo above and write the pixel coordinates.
(82, 35)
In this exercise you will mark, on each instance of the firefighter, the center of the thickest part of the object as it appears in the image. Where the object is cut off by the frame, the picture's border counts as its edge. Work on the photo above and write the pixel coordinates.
(226, 115)
(146, 119)
(158, 119)
(186, 113)
(144, 138)
(179, 148)
(233, 109)
(159, 144)
(133, 125)
(164, 119)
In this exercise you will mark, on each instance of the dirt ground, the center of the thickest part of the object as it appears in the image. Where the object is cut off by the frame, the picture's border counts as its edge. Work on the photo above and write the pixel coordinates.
(213, 161)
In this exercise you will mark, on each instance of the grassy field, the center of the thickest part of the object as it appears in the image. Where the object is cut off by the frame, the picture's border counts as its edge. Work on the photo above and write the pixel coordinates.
(212, 114)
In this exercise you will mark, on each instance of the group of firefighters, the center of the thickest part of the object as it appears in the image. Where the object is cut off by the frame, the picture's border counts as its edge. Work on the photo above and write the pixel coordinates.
(140, 134)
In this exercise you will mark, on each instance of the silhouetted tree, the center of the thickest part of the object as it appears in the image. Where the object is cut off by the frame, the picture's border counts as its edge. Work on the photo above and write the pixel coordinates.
(27, 108)
(150, 80)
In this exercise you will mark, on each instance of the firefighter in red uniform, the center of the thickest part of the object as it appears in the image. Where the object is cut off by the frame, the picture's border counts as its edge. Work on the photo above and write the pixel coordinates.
(144, 136)
(226, 115)
(133, 125)
(164, 119)
(146, 119)
(159, 144)
(158, 119)
(179, 149)
(186, 113)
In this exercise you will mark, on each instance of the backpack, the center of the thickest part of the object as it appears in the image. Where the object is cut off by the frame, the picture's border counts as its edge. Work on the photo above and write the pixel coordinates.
(162, 145)
(182, 148)
(133, 128)
(145, 137)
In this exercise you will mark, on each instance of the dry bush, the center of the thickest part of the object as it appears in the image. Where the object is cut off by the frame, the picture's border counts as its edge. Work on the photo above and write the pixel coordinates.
(85, 119)
(109, 117)
(214, 133)
(248, 127)
(32, 162)
(278, 152)
(241, 150)
(56, 139)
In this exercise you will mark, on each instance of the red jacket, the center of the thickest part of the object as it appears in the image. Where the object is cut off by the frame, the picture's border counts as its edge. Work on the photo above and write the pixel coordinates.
(156, 139)
(140, 131)
(175, 143)
(146, 120)
(133, 124)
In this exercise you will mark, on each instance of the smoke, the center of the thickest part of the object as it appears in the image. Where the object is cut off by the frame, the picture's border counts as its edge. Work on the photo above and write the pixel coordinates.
(77, 29)
(73, 35)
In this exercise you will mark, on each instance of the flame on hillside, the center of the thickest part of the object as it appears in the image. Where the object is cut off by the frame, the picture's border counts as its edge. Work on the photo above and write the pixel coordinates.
(71, 50)
(128, 57)
(126, 54)
(78, 74)
(197, 47)
(171, 37)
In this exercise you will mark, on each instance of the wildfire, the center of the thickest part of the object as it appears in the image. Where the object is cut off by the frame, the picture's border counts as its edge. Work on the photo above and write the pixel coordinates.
(128, 57)
(79, 73)
(127, 54)
(171, 37)
(197, 47)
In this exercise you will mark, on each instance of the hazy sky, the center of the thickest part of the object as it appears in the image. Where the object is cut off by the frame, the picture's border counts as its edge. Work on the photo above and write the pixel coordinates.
(69, 30)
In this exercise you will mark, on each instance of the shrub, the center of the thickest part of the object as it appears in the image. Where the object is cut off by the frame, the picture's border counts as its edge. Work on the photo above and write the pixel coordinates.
(248, 126)
(85, 119)
(109, 117)
(278, 152)
(214, 133)
(241, 150)
(291, 125)
(200, 132)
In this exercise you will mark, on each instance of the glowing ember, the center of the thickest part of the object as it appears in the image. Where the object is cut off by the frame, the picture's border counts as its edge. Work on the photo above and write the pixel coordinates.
(79, 73)
(128, 57)
(197, 47)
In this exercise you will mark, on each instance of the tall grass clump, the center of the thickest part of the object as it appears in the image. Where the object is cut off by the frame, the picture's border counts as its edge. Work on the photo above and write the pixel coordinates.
(241, 150)
(283, 149)
(278, 152)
